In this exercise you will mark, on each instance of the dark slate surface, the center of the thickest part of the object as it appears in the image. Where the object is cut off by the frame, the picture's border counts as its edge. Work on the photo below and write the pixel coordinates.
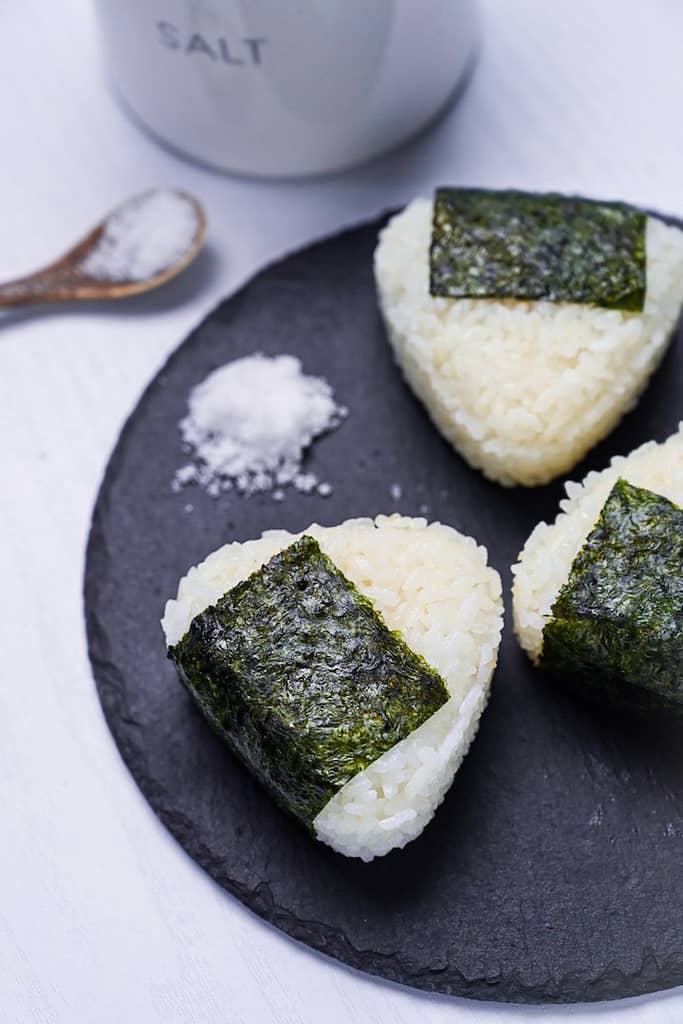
(553, 872)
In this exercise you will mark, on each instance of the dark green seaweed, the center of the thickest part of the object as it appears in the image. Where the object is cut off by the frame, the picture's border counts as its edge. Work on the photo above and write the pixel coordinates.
(299, 674)
(517, 245)
(617, 623)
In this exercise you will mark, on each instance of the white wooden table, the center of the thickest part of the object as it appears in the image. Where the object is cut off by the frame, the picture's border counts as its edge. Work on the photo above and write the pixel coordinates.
(102, 916)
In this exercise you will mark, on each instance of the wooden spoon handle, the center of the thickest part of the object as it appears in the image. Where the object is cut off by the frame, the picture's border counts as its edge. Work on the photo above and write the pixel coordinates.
(57, 283)
(17, 293)
(44, 286)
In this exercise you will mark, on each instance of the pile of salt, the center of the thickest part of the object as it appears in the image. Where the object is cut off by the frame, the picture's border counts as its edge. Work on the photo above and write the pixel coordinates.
(249, 424)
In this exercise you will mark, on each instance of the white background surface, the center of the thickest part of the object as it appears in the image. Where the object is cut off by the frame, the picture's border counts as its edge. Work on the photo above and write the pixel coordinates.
(102, 917)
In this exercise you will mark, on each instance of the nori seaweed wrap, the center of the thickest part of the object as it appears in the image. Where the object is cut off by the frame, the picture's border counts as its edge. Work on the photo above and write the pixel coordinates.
(523, 245)
(617, 623)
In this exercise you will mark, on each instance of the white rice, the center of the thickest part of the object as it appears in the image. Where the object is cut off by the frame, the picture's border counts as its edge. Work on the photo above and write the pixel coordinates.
(547, 556)
(522, 389)
(433, 585)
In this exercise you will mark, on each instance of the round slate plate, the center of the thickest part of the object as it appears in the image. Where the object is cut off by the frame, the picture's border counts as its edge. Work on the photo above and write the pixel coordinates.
(554, 869)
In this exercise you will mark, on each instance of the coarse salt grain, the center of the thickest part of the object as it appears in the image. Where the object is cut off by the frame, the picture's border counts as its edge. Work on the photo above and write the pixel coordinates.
(143, 237)
(249, 424)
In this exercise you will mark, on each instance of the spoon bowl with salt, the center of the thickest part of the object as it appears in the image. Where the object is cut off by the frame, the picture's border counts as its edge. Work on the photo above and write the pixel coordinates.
(143, 243)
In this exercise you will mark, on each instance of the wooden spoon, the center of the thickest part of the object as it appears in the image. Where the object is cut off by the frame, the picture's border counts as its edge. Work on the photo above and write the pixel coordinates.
(81, 274)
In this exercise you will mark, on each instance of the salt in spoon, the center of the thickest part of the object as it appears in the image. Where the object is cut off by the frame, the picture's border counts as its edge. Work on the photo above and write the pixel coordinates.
(140, 245)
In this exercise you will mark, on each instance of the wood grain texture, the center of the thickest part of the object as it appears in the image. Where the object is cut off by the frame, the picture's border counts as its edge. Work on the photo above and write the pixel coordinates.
(102, 918)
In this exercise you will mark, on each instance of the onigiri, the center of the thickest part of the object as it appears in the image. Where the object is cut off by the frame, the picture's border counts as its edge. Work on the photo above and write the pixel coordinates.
(522, 388)
(598, 594)
(347, 667)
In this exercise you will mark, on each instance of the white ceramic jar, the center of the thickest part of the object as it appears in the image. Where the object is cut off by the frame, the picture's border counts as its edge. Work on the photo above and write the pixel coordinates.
(286, 87)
